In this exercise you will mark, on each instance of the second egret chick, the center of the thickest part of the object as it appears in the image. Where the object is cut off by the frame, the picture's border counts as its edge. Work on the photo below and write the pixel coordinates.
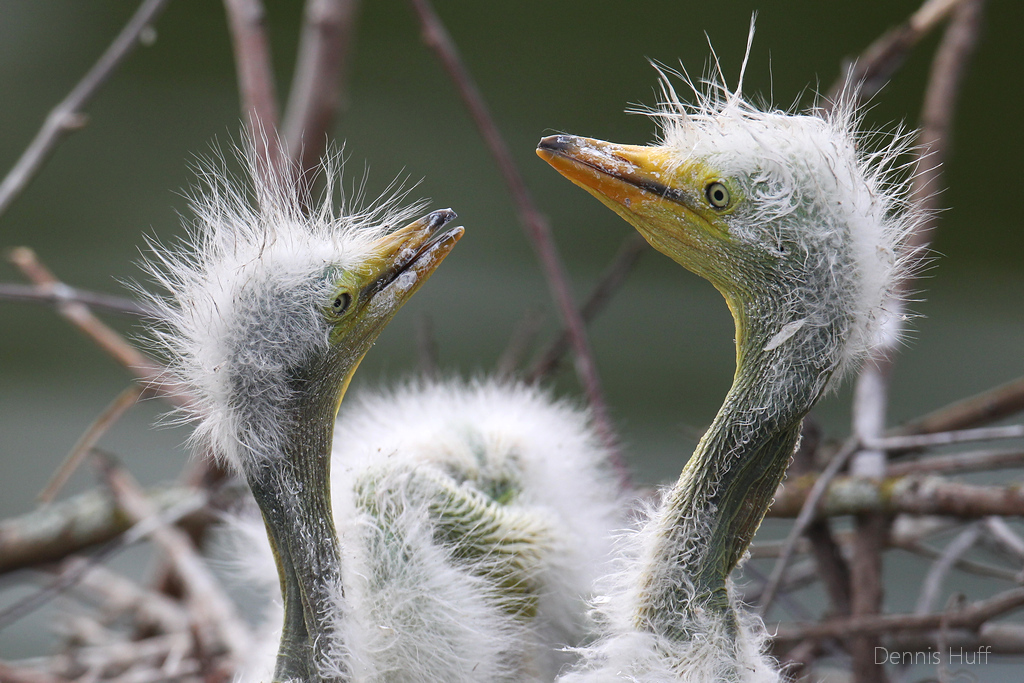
(801, 228)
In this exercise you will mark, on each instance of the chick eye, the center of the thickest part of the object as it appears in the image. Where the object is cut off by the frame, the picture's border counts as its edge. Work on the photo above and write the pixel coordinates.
(717, 194)
(340, 303)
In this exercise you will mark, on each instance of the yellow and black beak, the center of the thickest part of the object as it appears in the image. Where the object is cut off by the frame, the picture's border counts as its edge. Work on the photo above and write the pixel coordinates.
(403, 260)
(668, 199)
(623, 175)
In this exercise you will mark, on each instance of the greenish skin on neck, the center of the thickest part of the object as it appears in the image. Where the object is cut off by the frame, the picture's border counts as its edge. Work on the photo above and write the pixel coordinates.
(294, 497)
(710, 516)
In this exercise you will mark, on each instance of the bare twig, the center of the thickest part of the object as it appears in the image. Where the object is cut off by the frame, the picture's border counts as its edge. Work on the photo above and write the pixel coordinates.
(609, 282)
(104, 336)
(1005, 538)
(436, 36)
(970, 617)
(519, 344)
(59, 295)
(956, 548)
(67, 116)
(971, 461)
(426, 348)
(113, 412)
(903, 443)
(318, 82)
(988, 406)
(116, 661)
(256, 81)
(873, 68)
(947, 73)
(967, 566)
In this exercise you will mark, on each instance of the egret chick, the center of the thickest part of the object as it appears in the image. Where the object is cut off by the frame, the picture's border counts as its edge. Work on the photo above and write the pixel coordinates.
(269, 311)
(443, 532)
(801, 230)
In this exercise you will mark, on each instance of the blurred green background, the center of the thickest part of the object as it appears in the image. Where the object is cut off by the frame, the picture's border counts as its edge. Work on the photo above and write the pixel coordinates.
(664, 344)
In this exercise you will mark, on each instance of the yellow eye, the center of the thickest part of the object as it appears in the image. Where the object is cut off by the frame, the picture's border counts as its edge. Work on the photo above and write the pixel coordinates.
(340, 303)
(717, 194)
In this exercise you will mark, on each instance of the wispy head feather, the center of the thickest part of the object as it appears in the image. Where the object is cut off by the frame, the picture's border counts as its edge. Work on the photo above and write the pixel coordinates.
(815, 182)
(242, 288)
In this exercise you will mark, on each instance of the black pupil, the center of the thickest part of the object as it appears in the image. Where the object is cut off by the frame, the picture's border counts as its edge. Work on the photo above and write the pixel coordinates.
(341, 302)
(718, 195)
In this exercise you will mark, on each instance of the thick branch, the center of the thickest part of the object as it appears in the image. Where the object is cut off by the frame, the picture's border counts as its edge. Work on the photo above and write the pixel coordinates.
(908, 495)
(318, 81)
(55, 531)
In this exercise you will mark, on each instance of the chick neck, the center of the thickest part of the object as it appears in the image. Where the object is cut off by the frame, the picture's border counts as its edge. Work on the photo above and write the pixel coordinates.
(293, 493)
(709, 517)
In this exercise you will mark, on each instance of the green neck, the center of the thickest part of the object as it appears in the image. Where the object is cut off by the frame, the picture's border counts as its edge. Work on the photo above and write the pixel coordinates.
(709, 517)
(293, 494)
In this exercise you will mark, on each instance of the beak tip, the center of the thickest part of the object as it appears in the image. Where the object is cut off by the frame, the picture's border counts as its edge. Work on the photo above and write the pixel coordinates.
(556, 143)
(438, 218)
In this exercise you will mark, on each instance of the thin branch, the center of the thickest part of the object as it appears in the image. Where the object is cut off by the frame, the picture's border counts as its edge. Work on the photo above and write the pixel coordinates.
(426, 348)
(104, 336)
(607, 285)
(256, 81)
(318, 82)
(953, 551)
(437, 38)
(967, 566)
(67, 116)
(873, 68)
(1005, 538)
(970, 617)
(519, 344)
(972, 461)
(948, 69)
(113, 412)
(58, 295)
(903, 443)
(988, 406)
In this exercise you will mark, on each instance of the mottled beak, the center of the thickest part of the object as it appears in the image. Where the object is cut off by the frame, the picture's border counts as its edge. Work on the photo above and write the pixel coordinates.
(624, 174)
(406, 258)
(655, 191)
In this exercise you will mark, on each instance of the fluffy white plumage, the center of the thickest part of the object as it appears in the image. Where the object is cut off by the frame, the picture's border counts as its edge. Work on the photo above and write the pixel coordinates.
(814, 183)
(242, 298)
(419, 604)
